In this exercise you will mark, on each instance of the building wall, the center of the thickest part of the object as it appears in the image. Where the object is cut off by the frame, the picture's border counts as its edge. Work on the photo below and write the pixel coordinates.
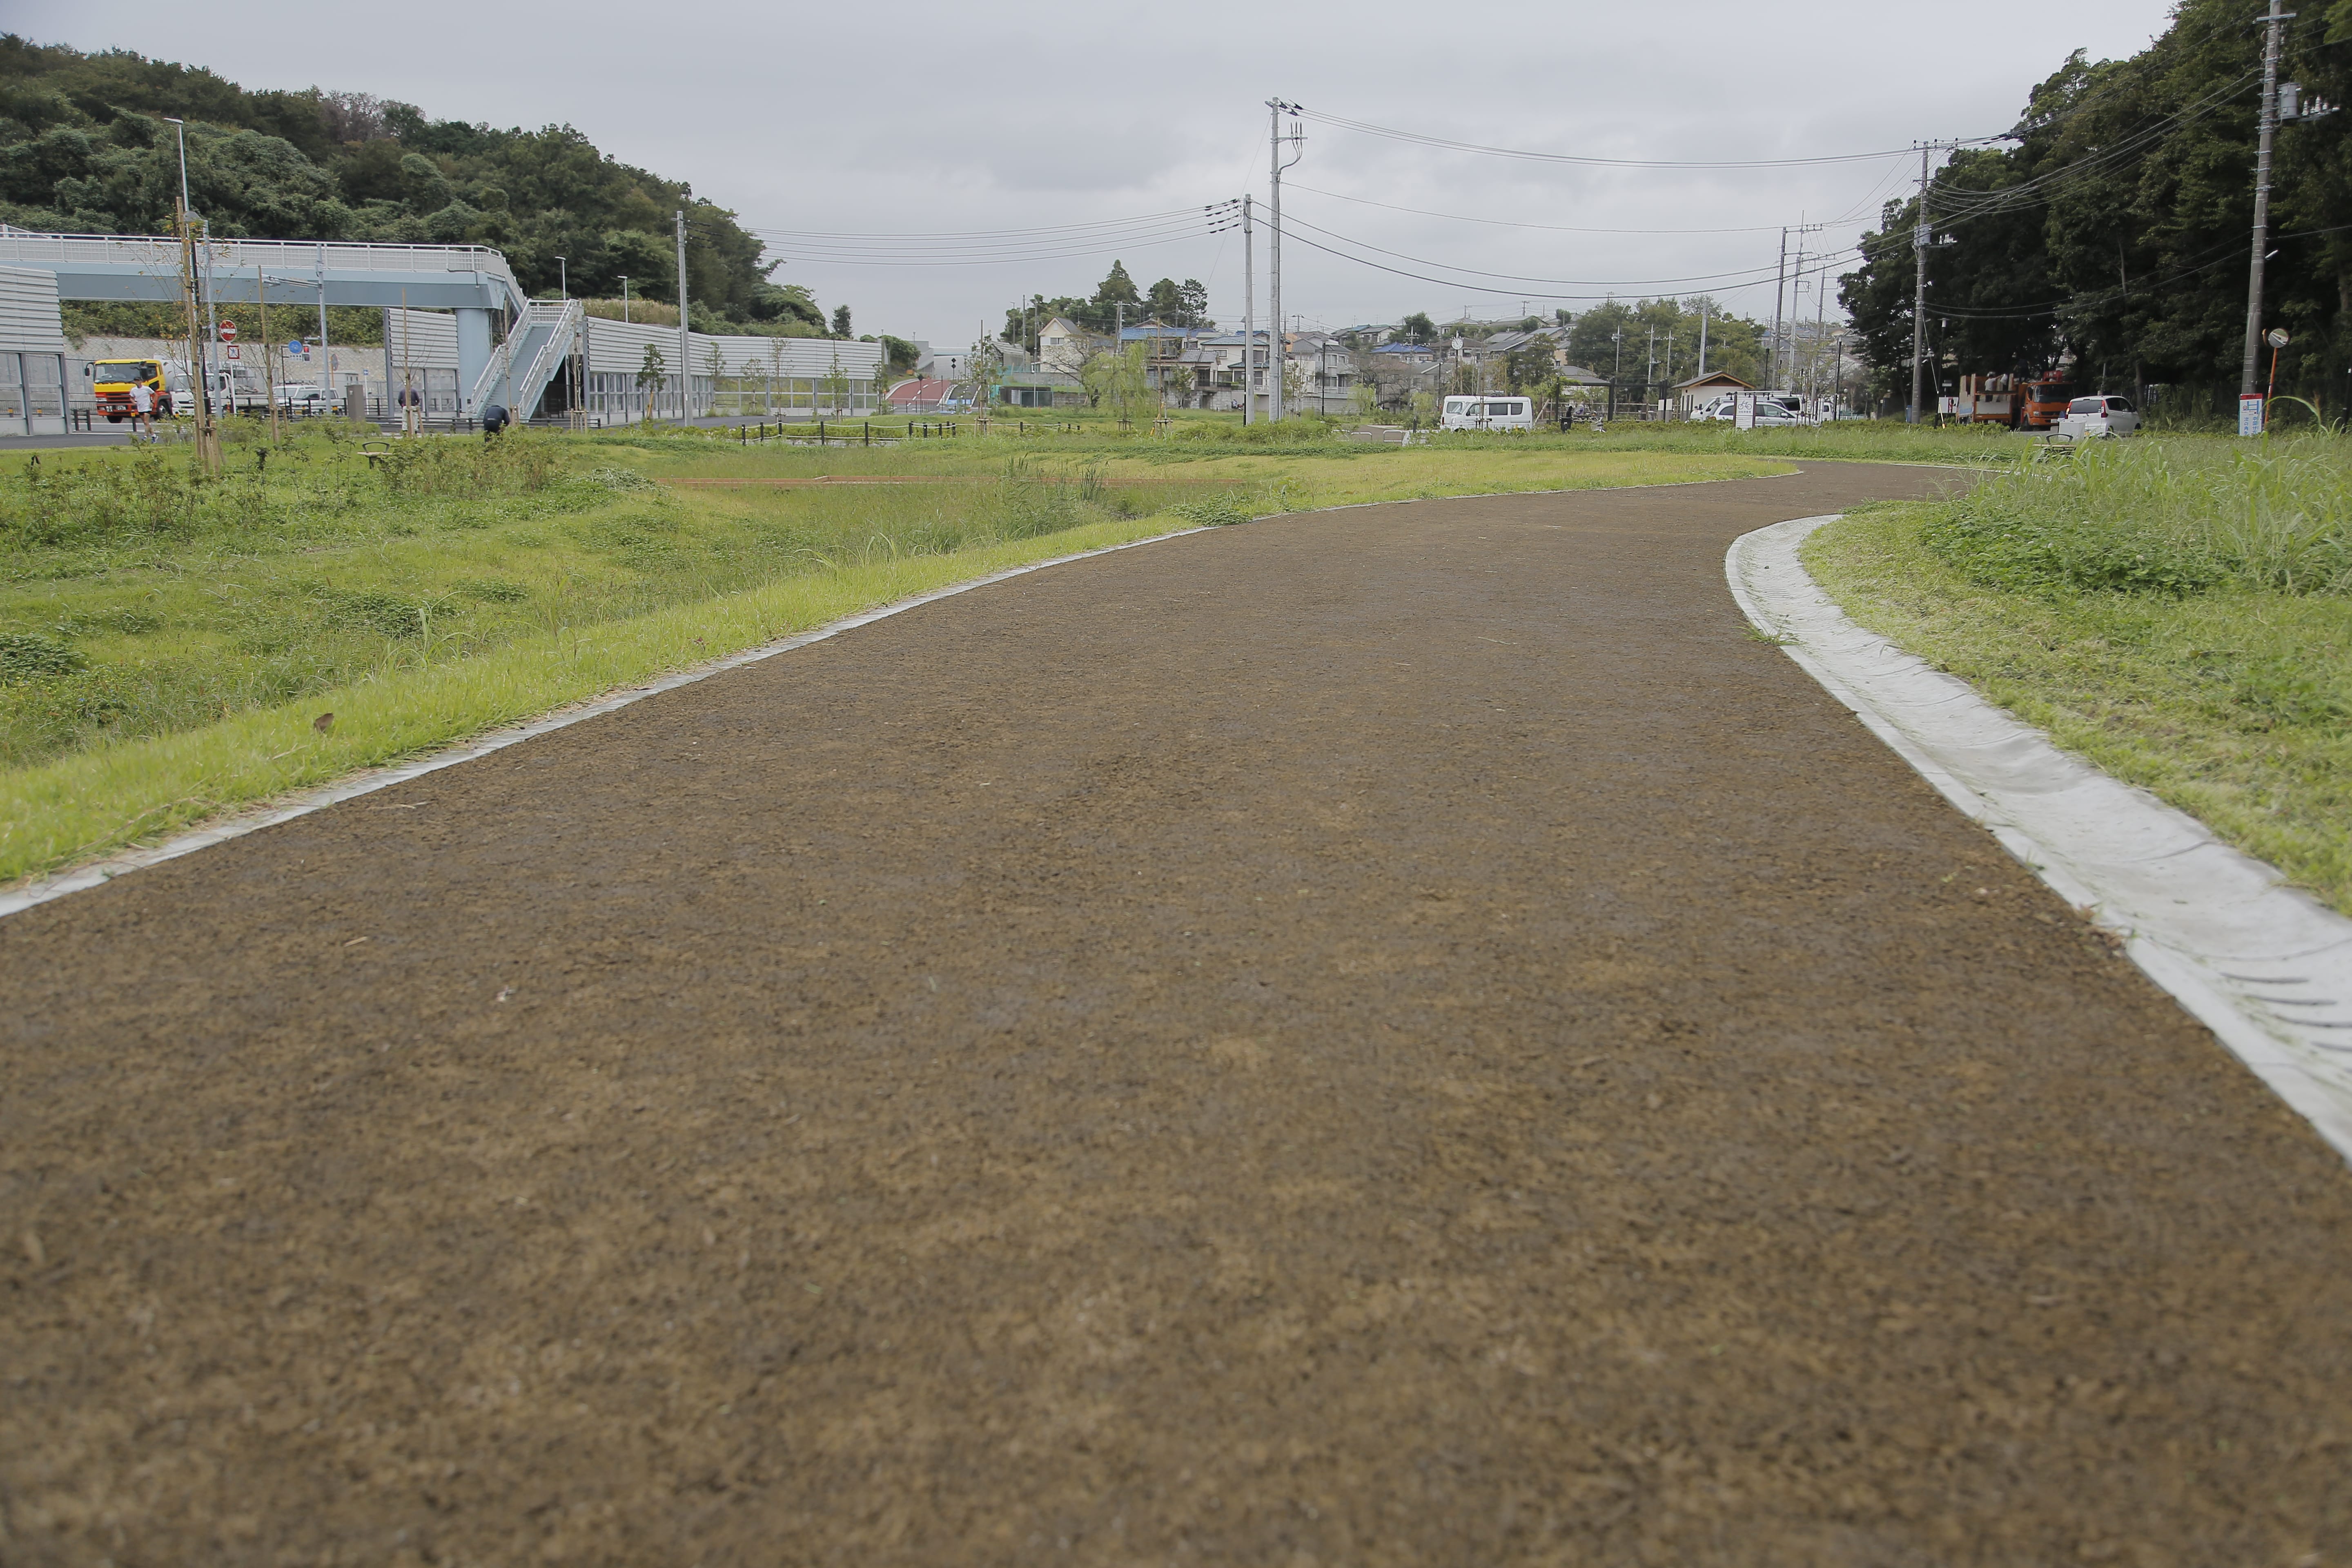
(750, 377)
(33, 384)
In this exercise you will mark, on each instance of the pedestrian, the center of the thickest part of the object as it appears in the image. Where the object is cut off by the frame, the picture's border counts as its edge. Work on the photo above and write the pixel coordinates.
(494, 419)
(143, 411)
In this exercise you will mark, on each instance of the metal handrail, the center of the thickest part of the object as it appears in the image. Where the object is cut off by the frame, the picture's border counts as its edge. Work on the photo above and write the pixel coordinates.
(558, 315)
(24, 244)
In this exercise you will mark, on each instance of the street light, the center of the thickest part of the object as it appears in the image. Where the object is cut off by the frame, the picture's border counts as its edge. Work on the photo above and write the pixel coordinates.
(563, 279)
(199, 370)
(184, 162)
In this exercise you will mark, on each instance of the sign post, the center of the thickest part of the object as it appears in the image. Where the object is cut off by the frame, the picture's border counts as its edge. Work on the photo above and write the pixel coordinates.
(2249, 414)
(1743, 411)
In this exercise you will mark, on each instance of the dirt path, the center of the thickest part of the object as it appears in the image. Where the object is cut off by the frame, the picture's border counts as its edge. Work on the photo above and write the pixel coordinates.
(1395, 1037)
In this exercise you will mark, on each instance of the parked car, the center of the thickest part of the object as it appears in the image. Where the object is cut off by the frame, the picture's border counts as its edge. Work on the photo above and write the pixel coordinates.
(1769, 412)
(1485, 413)
(2098, 417)
(302, 397)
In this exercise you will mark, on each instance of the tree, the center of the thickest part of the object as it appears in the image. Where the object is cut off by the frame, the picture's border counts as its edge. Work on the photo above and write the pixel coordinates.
(1174, 304)
(2103, 237)
(1117, 288)
(1418, 327)
(841, 321)
(1529, 364)
(83, 147)
(651, 374)
(899, 355)
(1117, 382)
(834, 388)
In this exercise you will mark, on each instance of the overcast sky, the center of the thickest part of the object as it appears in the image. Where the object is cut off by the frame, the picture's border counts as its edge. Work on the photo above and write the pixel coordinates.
(892, 118)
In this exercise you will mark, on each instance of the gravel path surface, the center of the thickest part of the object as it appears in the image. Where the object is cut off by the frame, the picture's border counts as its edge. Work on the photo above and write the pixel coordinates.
(1401, 1035)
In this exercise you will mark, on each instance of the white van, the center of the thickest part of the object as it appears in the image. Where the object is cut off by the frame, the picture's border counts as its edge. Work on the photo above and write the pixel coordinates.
(1487, 413)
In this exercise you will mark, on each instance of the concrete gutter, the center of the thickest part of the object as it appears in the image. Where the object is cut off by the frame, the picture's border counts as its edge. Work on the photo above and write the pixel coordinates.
(2263, 965)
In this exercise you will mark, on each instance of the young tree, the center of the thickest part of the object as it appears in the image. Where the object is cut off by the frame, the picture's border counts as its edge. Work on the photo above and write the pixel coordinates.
(835, 386)
(651, 374)
(1117, 382)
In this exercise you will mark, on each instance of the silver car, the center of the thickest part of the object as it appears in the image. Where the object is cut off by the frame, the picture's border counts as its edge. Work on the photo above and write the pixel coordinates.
(2090, 417)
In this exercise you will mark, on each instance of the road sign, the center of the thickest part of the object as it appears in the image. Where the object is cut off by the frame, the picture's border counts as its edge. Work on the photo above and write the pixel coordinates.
(234, 351)
(2249, 414)
(228, 331)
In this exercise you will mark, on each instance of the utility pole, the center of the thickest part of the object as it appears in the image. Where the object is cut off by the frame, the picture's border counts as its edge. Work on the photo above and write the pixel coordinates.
(1919, 289)
(1705, 305)
(1249, 317)
(685, 365)
(1779, 287)
(1275, 356)
(1821, 324)
(325, 380)
(2275, 23)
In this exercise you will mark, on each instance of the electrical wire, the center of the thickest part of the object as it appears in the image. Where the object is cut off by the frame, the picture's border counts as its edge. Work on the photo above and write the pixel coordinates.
(1447, 144)
(1521, 278)
(1476, 288)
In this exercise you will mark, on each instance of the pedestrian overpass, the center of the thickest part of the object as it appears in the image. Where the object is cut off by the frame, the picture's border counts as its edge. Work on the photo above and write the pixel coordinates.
(473, 281)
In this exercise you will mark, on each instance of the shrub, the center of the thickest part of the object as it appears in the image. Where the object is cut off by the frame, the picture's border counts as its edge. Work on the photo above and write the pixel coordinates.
(28, 657)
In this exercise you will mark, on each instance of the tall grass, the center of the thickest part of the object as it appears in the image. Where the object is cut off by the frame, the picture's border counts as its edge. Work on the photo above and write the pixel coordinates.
(2176, 516)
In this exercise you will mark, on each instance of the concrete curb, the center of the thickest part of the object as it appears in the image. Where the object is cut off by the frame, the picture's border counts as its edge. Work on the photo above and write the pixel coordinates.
(2265, 967)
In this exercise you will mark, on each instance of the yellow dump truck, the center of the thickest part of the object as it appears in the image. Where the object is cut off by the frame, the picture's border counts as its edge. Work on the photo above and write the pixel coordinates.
(113, 380)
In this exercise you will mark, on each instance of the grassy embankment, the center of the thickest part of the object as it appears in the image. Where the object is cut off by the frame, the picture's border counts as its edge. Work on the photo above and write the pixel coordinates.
(2177, 610)
(166, 641)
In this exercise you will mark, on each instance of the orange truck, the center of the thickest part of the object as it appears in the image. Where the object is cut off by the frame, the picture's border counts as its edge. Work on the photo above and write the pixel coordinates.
(112, 379)
(2020, 401)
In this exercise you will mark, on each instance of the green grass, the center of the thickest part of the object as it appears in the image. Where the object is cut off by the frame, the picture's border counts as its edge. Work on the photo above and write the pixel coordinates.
(2177, 614)
(166, 639)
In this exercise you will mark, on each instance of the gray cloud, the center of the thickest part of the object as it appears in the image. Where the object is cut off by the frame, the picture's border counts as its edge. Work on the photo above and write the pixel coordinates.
(898, 118)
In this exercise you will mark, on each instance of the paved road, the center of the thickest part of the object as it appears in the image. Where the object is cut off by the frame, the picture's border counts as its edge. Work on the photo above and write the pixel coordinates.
(1395, 1037)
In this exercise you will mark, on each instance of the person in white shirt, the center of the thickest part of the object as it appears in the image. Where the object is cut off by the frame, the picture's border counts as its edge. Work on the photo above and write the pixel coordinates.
(142, 410)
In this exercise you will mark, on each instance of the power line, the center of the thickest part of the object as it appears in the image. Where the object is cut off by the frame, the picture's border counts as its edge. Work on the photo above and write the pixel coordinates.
(1508, 223)
(1447, 144)
(1724, 278)
(1475, 286)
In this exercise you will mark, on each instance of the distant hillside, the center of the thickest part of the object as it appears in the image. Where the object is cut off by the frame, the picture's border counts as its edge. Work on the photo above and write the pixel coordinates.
(83, 147)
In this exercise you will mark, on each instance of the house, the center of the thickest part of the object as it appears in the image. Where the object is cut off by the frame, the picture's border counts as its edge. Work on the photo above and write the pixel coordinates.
(1401, 353)
(1324, 369)
(1175, 363)
(1227, 369)
(1063, 345)
(1701, 390)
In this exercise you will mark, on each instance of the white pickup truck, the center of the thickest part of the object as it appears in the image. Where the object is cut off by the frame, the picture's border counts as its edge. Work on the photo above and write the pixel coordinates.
(2087, 417)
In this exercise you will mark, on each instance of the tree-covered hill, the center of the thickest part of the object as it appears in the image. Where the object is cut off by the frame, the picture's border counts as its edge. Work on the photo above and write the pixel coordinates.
(2113, 227)
(84, 147)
